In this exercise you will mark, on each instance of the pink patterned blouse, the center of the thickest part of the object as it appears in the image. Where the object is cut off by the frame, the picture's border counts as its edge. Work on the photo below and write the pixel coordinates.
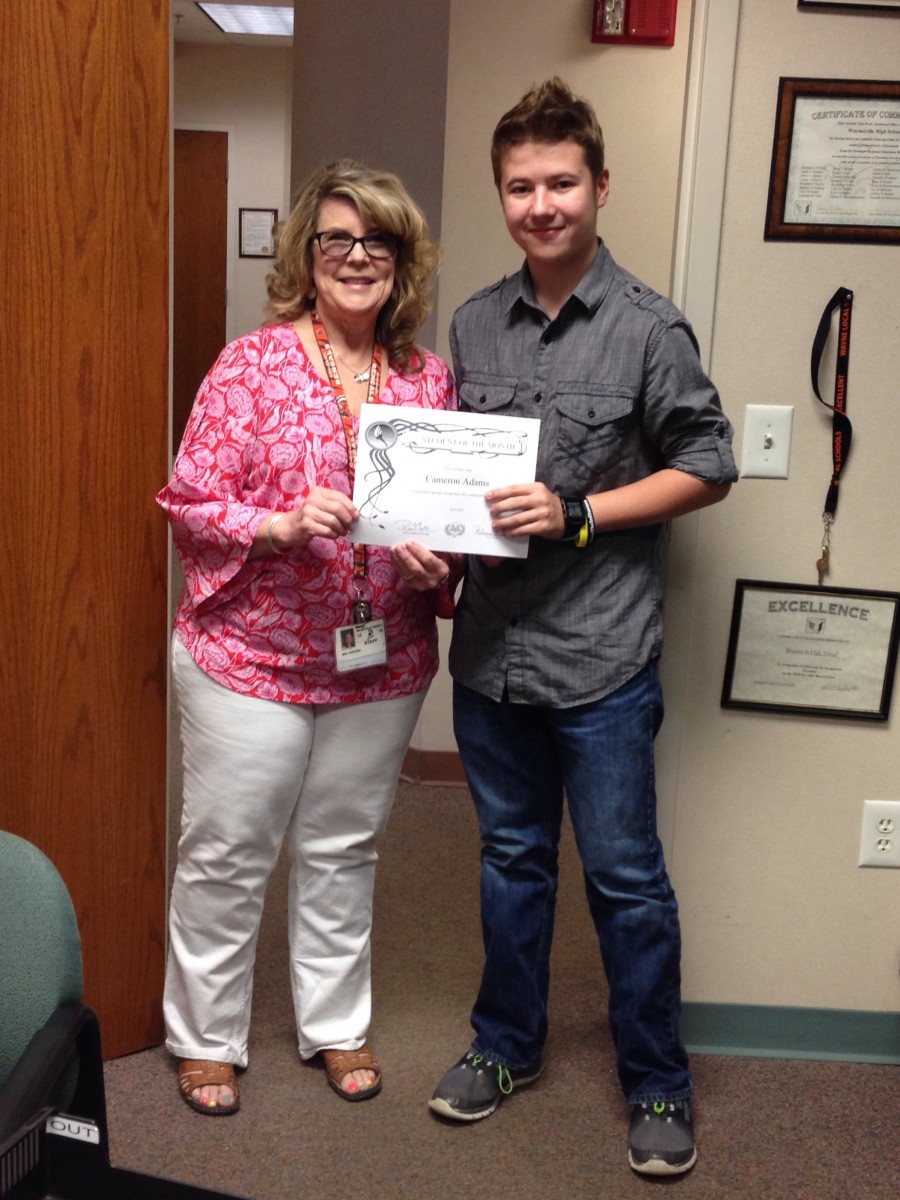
(265, 429)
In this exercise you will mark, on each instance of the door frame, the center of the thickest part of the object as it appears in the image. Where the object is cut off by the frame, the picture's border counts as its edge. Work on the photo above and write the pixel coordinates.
(704, 164)
(174, 575)
(698, 233)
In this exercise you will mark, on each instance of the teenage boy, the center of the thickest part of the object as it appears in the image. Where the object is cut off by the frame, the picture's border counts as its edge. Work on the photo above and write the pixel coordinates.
(554, 657)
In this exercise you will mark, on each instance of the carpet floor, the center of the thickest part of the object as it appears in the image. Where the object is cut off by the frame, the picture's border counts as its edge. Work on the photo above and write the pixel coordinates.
(766, 1129)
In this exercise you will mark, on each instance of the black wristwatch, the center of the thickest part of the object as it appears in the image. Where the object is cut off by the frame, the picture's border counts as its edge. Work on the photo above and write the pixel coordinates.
(573, 515)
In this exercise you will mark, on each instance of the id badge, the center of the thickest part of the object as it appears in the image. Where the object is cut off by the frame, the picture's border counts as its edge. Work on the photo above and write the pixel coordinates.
(358, 646)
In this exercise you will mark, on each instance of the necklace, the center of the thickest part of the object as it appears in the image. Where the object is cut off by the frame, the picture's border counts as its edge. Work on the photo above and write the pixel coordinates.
(362, 376)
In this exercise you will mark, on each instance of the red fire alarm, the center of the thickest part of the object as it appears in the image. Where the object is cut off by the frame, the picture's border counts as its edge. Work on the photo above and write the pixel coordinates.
(634, 22)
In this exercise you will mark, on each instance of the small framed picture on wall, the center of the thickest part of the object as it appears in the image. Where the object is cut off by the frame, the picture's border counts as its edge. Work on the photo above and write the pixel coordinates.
(257, 232)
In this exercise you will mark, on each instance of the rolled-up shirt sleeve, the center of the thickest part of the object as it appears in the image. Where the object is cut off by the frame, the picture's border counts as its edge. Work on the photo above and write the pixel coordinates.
(682, 413)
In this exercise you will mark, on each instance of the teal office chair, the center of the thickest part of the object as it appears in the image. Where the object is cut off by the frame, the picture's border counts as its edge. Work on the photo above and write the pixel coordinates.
(54, 1142)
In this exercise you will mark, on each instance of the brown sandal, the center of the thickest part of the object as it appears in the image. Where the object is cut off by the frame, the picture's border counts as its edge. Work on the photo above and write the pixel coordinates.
(339, 1064)
(196, 1073)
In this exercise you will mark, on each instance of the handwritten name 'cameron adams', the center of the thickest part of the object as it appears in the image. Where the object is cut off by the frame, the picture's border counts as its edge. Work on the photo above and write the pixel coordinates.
(818, 606)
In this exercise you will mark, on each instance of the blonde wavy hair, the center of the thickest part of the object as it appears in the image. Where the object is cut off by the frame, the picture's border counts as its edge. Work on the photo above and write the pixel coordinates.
(384, 204)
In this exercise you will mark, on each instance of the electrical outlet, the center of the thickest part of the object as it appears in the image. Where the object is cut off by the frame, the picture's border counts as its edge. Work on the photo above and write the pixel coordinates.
(879, 843)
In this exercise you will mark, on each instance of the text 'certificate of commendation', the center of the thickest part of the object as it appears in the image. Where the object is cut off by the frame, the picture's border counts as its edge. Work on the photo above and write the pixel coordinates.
(845, 163)
(421, 475)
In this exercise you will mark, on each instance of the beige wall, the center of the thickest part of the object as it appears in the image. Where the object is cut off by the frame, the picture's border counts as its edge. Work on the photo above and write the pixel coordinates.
(390, 114)
(497, 51)
(776, 910)
(246, 91)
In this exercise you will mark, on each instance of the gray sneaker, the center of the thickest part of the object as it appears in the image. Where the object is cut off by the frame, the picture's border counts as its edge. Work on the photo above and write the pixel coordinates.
(661, 1138)
(474, 1087)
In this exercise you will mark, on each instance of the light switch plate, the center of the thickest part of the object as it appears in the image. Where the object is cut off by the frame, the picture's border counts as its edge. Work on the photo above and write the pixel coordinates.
(767, 441)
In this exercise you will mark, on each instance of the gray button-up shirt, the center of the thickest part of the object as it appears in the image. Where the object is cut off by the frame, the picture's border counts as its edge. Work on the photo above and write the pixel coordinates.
(617, 384)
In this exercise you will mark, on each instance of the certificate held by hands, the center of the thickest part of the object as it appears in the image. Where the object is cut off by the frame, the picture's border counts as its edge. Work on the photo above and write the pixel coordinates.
(421, 476)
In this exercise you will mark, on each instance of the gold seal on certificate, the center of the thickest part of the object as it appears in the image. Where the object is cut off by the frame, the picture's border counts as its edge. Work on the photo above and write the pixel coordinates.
(421, 475)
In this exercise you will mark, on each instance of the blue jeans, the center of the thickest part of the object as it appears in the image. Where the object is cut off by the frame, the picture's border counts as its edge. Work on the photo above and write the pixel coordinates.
(520, 759)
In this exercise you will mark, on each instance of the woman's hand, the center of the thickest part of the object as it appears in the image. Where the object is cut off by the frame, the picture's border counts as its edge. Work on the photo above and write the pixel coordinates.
(324, 513)
(526, 510)
(421, 568)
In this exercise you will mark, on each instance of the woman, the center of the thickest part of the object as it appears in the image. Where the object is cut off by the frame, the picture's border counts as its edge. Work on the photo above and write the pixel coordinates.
(284, 737)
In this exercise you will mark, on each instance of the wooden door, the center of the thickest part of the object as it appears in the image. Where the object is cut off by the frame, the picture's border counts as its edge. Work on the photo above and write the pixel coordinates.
(200, 257)
(84, 253)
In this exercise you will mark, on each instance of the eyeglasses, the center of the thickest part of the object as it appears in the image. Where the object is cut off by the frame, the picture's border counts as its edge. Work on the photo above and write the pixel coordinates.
(337, 244)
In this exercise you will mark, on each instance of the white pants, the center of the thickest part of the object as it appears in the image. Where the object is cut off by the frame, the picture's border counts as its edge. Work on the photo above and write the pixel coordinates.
(255, 772)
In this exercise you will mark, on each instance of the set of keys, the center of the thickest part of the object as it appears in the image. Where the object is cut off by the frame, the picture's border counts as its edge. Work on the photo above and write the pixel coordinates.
(823, 560)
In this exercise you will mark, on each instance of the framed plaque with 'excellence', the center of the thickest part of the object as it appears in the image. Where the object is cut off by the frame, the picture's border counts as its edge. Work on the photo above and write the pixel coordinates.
(821, 651)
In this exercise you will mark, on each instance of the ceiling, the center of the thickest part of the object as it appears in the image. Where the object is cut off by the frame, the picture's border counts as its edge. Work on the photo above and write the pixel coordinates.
(193, 25)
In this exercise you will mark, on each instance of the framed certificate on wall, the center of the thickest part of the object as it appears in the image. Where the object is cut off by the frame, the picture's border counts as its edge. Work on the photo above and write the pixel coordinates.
(257, 232)
(821, 651)
(835, 174)
(866, 5)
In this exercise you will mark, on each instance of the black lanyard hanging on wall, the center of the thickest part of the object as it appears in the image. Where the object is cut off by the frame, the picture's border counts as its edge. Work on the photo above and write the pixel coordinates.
(841, 429)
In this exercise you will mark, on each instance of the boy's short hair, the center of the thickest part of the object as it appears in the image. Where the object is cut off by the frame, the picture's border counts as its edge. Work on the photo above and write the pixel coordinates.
(549, 112)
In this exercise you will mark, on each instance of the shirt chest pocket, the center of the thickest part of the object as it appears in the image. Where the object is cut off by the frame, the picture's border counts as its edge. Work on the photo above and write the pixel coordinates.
(483, 393)
(592, 446)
